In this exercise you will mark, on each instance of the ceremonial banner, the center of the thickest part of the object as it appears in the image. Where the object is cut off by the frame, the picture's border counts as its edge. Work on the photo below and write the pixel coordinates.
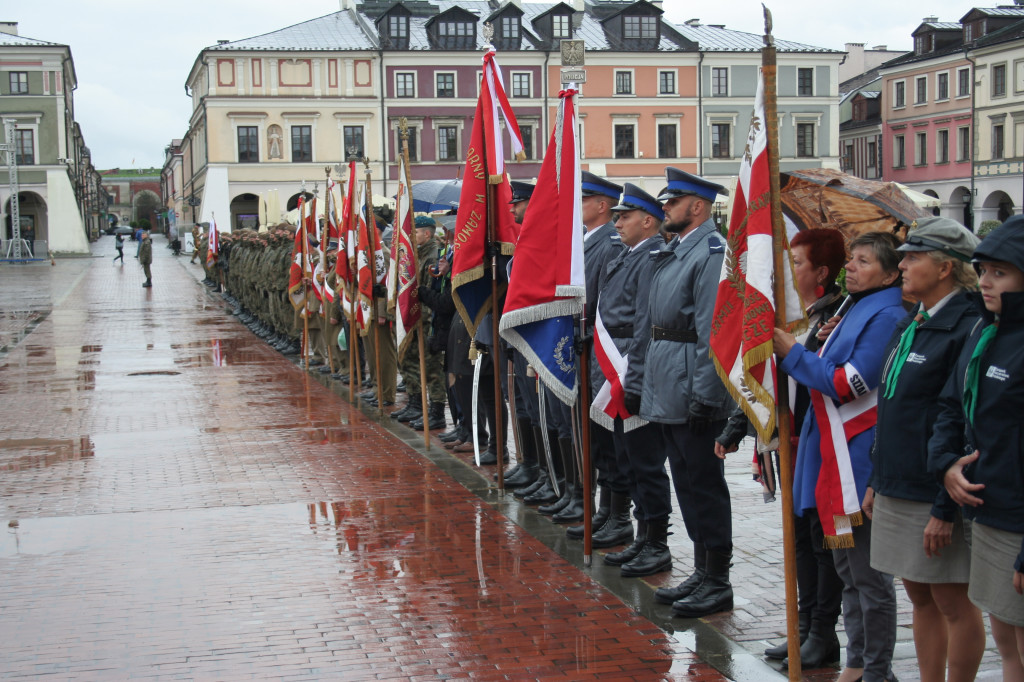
(609, 402)
(471, 282)
(369, 264)
(403, 282)
(546, 287)
(212, 244)
(744, 319)
(299, 268)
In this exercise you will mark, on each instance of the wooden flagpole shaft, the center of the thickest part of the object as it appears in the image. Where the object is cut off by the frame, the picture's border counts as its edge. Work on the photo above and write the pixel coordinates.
(423, 380)
(585, 469)
(371, 259)
(499, 403)
(783, 417)
(305, 291)
(324, 239)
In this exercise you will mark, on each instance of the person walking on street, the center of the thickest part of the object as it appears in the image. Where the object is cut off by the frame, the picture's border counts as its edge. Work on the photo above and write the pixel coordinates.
(146, 258)
(119, 245)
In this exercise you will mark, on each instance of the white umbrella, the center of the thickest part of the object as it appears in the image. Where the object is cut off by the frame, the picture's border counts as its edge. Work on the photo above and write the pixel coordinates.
(263, 213)
(922, 200)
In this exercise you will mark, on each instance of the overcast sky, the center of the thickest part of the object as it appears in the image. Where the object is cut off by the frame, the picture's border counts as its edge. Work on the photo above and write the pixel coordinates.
(132, 57)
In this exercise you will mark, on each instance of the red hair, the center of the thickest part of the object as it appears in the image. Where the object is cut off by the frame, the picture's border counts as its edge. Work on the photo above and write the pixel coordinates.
(825, 247)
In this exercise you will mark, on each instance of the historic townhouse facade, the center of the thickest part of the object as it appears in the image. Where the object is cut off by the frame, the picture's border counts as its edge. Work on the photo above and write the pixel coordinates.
(61, 202)
(273, 110)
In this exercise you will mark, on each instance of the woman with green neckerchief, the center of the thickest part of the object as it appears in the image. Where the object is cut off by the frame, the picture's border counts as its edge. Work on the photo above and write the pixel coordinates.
(977, 449)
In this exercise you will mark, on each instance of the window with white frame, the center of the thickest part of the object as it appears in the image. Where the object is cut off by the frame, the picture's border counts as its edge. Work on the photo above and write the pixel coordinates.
(510, 28)
(444, 84)
(666, 82)
(720, 81)
(634, 27)
(24, 147)
(921, 90)
(963, 82)
(805, 139)
(963, 143)
(353, 137)
(942, 146)
(721, 138)
(248, 144)
(805, 82)
(412, 139)
(522, 84)
(405, 84)
(899, 94)
(19, 82)
(625, 140)
(561, 26)
(302, 143)
(899, 151)
(921, 149)
(998, 141)
(623, 82)
(999, 80)
(668, 140)
(447, 143)
(942, 86)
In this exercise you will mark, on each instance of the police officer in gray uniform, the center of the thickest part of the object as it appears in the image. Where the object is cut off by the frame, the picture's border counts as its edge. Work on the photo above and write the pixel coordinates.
(682, 393)
(624, 314)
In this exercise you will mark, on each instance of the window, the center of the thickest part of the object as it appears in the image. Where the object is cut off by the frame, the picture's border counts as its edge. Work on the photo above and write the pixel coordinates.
(720, 135)
(805, 140)
(302, 143)
(942, 86)
(720, 82)
(623, 82)
(667, 146)
(527, 134)
(640, 27)
(447, 143)
(899, 152)
(510, 28)
(445, 84)
(456, 34)
(921, 149)
(921, 90)
(805, 82)
(963, 145)
(848, 157)
(411, 140)
(405, 85)
(963, 82)
(19, 82)
(666, 82)
(353, 139)
(872, 156)
(560, 26)
(942, 146)
(398, 27)
(997, 141)
(521, 85)
(24, 152)
(625, 146)
(248, 144)
(899, 94)
(999, 80)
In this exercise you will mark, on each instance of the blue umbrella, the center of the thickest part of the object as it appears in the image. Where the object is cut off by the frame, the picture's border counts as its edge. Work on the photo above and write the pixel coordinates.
(436, 195)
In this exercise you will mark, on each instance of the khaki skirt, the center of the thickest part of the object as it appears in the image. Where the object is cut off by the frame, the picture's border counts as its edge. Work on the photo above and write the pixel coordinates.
(993, 553)
(897, 543)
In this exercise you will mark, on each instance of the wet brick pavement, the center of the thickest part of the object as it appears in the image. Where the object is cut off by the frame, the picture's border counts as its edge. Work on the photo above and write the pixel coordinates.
(182, 502)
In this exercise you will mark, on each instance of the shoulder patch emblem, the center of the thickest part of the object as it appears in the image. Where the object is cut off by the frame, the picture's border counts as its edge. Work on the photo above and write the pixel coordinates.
(715, 245)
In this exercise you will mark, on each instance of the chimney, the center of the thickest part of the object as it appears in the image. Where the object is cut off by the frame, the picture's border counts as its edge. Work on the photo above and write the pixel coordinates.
(346, 5)
(930, 20)
(880, 48)
(692, 22)
(579, 5)
(9, 27)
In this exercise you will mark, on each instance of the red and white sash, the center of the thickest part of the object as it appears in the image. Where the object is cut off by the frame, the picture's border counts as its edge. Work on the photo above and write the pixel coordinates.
(609, 402)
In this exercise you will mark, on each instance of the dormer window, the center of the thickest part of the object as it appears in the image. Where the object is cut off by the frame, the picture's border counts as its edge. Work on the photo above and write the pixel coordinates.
(394, 28)
(635, 27)
(455, 33)
(454, 29)
(510, 28)
(398, 28)
(561, 27)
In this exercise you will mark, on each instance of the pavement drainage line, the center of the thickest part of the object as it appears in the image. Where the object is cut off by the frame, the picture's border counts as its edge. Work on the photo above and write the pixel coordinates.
(28, 329)
(728, 657)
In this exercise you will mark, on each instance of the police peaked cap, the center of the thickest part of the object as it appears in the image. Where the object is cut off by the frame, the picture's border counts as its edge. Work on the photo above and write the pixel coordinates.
(594, 185)
(681, 184)
(635, 199)
(521, 191)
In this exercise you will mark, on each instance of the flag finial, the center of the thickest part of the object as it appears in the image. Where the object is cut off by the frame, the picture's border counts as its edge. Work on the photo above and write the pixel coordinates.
(488, 32)
(769, 40)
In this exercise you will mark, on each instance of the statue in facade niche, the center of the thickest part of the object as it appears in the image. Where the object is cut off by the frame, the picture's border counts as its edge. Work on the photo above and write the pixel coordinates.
(274, 138)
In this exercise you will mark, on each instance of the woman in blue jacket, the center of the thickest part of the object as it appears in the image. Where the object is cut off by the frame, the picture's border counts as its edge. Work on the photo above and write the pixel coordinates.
(833, 462)
(981, 413)
(917, 531)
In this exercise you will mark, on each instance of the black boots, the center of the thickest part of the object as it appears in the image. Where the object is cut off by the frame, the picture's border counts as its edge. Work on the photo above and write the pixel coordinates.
(670, 595)
(526, 471)
(412, 409)
(542, 466)
(654, 557)
(619, 558)
(618, 527)
(821, 646)
(569, 506)
(147, 284)
(546, 493)
(604, 506)
(780, 652)
(435, 418)
(715, 592)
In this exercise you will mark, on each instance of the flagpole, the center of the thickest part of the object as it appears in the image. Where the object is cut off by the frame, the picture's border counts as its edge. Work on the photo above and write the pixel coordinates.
(325, 235)
(371, 259)
(353, 354)
(783, 418)
(305, 291)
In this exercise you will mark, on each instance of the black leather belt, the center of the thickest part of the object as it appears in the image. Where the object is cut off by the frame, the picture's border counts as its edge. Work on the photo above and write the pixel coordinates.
(623, 332)
(677, 335)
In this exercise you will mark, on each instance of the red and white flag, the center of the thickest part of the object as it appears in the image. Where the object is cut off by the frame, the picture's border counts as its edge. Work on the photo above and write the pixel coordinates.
(744, 319)
(609, 402)
(213, 244)
(300, 267)
(403, 278)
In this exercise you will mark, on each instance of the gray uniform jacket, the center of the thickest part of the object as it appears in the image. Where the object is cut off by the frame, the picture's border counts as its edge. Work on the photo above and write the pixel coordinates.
(685, 278)
(623, 304)
(599, 249)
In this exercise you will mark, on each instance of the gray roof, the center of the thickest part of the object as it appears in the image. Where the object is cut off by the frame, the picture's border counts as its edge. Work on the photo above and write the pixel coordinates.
(1001, 11)
(347, 30)
(337, 31)
(22, 41)
(943, 25)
